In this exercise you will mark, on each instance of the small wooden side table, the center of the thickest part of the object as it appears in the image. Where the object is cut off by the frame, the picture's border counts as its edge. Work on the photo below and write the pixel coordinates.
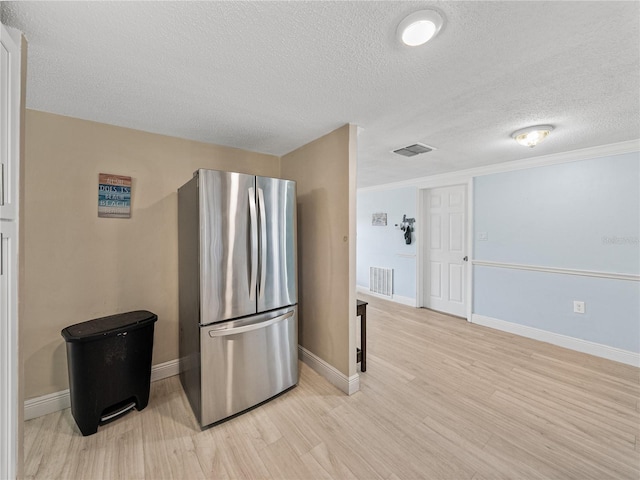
(361, 354)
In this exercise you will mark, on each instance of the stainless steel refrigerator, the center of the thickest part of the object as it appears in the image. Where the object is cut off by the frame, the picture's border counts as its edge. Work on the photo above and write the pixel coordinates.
(238, 291)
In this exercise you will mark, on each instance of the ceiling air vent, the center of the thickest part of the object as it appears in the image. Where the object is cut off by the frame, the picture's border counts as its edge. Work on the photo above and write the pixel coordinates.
(413, 150)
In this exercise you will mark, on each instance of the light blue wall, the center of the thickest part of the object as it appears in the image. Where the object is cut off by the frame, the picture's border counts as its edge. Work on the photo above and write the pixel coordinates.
(385, 246)
(545, 301)
(562, 215)
(581, 215)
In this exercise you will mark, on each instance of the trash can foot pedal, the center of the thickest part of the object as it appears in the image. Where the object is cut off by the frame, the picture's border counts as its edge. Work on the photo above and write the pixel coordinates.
(117, 413)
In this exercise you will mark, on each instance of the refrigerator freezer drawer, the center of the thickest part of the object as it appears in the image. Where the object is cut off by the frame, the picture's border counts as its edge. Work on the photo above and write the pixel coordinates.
(248, 361)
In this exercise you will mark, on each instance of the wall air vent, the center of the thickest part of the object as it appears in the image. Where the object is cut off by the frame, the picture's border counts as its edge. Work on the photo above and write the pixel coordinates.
(413, 150)
(381, 281)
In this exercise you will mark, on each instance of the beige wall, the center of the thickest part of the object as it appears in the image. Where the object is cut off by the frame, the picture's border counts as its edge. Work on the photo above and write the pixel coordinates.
(325, 174)
(78, 266)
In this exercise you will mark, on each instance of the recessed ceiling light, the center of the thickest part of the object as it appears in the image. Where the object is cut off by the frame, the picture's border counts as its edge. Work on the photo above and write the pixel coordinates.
(419, 27)
(531, 136)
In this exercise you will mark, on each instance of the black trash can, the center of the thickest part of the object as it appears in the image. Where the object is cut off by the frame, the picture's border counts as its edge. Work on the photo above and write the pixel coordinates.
(109, 362)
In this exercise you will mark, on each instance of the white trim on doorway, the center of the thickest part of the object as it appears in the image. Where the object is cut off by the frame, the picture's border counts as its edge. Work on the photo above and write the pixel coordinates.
(445, 249)
(440, 182)
(10, 427)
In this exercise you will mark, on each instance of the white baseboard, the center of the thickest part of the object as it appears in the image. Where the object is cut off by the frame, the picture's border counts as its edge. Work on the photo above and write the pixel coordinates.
(410, 302)
(165, 370)
(53, 402)
(348, 385)
(577, 344)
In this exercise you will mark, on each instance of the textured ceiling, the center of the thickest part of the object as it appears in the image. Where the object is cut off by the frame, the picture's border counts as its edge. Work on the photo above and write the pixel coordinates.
(272, 76)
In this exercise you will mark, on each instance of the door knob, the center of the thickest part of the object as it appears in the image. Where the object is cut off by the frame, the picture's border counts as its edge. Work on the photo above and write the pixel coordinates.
(466, 259)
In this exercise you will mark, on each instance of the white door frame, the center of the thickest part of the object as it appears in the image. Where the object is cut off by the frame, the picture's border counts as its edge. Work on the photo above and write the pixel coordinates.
(421, 281)
(10, 407)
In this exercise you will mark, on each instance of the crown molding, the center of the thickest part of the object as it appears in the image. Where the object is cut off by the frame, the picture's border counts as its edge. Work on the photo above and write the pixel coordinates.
(462, 176)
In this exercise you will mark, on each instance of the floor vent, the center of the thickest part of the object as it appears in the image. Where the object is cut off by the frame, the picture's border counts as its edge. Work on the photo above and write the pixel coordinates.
(413, 150)
(381, 281)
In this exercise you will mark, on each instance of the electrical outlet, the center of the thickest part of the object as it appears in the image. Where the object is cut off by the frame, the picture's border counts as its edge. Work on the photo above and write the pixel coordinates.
(483, 236)
(578, 307)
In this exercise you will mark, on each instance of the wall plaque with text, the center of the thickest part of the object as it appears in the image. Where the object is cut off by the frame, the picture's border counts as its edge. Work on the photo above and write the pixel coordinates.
(114, 196)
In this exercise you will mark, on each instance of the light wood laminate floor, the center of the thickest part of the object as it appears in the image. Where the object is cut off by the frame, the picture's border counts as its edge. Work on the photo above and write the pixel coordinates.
(441, 399)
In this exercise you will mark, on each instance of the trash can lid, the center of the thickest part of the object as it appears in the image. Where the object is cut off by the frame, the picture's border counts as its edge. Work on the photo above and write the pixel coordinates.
(108, 326)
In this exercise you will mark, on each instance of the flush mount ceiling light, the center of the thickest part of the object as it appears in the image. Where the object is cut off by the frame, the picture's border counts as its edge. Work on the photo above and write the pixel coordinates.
(531, 136)
(419, 27)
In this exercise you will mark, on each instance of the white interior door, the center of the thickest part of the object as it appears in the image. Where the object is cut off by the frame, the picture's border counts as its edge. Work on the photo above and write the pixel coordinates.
(444, 269)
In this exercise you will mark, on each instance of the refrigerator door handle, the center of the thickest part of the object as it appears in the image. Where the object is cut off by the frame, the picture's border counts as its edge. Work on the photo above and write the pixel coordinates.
(254, 244)
(263, 242)
(224, 331)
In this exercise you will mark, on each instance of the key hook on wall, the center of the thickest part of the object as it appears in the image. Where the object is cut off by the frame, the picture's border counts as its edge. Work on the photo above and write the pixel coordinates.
(407, 227)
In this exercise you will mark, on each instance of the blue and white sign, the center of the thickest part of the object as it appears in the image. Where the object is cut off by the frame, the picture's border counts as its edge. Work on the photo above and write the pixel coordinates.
(114, 196)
